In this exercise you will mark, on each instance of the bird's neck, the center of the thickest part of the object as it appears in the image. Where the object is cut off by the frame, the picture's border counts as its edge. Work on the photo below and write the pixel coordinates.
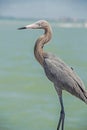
(38, 49)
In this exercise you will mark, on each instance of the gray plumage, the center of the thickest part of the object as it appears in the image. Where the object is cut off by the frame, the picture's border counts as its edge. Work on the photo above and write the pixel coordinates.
(64, 77)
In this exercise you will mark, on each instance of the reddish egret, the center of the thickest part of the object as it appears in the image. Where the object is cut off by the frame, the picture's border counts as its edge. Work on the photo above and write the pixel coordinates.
(62, 76)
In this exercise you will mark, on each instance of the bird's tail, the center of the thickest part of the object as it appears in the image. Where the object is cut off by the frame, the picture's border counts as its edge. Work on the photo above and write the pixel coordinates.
(85, 94)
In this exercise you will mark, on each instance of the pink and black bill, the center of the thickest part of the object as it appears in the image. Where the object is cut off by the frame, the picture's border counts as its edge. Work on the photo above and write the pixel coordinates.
(22, 28)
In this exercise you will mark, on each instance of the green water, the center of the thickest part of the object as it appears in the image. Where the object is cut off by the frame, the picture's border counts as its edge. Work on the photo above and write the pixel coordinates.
(28, 100)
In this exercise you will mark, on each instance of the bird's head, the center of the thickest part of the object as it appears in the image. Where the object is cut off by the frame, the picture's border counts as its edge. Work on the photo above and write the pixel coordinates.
(42, 24)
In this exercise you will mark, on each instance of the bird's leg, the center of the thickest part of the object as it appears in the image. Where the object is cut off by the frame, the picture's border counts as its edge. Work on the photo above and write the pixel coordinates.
(62, 115)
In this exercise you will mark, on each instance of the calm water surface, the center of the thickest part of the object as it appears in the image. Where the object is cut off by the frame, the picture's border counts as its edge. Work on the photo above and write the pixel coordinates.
(28, 101)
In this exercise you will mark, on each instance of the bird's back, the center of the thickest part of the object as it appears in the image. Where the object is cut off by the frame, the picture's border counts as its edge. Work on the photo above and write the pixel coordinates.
(64, 77)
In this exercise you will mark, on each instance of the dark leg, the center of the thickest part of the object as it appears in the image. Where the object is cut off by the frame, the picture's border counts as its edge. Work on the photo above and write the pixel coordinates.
(62, 115)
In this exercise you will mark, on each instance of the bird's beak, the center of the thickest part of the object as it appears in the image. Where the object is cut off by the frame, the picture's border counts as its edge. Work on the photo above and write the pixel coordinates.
(31, 26)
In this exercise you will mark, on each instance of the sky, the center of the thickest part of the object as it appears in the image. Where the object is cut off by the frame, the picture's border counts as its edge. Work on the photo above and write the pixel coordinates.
(52, 9)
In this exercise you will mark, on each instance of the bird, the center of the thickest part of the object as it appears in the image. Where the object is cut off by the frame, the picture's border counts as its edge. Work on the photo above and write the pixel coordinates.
(56, 70)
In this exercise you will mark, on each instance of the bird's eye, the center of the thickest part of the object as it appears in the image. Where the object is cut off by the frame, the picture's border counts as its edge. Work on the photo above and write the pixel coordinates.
(38, 24)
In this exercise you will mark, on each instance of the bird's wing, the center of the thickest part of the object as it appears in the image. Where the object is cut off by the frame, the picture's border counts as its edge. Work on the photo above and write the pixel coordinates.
(62, 75)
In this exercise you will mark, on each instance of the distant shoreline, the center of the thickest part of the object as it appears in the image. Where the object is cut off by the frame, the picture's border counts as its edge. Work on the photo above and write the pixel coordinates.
(60, 22)
(63, 19)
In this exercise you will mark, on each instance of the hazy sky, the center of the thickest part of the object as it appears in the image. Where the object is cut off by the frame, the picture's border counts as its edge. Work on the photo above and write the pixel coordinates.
(44, 8)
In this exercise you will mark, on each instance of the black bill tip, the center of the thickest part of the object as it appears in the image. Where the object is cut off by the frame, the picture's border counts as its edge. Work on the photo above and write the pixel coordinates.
(22, 28)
